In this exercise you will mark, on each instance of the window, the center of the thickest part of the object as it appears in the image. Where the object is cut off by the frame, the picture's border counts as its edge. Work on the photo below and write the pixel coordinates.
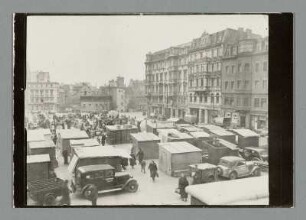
(233, 69)
(218, 82)
(256, 67)
(202, 82)
(195, 99)
(226, 85)
(246, 84)
(263, 102)
(238, 84)
(227, 69)
(232, 85)
(201, 98)
(190, 98)
(212, 82)
(238, 101)
(239, 68)
(264, 84)
(212, 98)
(246, 101)
(256, 84)
(247, 67)
(205, 98)
(265, 66)
(217, 98)
(256, 102)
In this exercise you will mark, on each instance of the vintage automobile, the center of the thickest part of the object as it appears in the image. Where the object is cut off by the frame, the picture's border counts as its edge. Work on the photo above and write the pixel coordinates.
(233, 167)
(103, 177)
(203, 173)
(255, 154)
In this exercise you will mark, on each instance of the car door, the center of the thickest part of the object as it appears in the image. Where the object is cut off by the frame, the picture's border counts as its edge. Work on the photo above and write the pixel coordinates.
(242, 168)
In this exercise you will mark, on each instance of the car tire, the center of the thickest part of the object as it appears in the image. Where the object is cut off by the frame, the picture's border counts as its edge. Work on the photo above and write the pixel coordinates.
(49, 199)
(88, 190)
(257, 172)
(233, 176)
(132, 186)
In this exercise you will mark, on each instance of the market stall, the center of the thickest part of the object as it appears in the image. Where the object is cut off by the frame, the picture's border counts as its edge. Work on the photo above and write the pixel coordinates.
(148, 142)
(38, 167)
(175, 157)
(247, 138)
(65, 136)
(120, 134)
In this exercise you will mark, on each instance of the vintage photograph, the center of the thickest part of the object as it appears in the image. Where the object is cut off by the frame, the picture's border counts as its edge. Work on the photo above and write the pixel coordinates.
(147, 110)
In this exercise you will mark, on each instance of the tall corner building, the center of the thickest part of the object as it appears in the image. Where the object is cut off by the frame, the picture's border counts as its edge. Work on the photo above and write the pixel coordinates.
(193, 78)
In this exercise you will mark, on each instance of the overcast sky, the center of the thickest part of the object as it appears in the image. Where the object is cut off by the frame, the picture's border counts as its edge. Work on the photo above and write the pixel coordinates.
(96, 49)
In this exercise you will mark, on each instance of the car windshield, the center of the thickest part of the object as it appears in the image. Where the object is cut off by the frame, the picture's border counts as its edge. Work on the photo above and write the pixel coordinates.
(225, 163)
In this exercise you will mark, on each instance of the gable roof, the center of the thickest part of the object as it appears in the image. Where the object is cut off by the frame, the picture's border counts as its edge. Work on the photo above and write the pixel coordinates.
(179, 147)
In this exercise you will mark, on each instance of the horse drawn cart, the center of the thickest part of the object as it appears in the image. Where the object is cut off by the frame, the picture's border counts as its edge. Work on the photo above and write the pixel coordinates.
(45, 191)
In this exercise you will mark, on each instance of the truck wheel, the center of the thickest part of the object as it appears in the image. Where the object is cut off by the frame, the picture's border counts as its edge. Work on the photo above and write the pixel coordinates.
(132, 186)
(49, 199)
(233, 175)
(88, 191)
(257, 172)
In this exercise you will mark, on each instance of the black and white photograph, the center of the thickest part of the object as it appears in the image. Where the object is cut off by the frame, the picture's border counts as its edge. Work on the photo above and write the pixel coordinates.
(147, 110)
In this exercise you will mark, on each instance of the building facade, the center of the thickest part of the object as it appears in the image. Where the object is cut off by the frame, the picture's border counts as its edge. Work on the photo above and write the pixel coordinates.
(245, 83)
(41, 94)
(166, 81)
(95, 103)
(201, 78)
(135, 94)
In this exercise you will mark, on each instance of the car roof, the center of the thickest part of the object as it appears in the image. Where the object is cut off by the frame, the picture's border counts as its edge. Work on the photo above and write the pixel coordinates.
(91, 168)
(232, 158)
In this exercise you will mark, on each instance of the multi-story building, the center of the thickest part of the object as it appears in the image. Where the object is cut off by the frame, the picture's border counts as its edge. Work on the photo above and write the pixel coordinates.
(187, 78)
(245, 82)
(166, 81)
(41, 94)
(95, 103)
(205, 66)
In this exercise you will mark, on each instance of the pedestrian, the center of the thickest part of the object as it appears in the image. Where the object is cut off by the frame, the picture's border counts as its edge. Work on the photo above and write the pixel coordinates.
(133, 160)
(182, 184)
(55, 138)
(103, 139)
(153, 170)
(140, 155)
(65, 156)
(66, 201)
(93, 195)
(143, 166)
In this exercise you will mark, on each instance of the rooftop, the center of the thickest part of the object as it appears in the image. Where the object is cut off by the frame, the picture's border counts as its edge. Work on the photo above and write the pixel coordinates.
(245, 132)
(41, 144)
(238, 192)
(72, 133)
(179, 147)
(99, 151)
(84, 142)
(145, 136)
(39, 158)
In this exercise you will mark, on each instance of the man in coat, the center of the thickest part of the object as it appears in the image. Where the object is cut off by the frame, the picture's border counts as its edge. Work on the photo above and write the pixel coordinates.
(182, 184)
(153, 170)
(140, 155)
(103, 139)
(66, 201)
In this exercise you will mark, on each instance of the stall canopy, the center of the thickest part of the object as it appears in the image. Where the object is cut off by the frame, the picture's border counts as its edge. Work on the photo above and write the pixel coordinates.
(72, 134)
(35, 136)
(199, 134)
(228, 144)
(245, 132)
(39, 158)
(145, 136)
(179, 147)
(238, 192)
(84, 142)
(42, 144)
